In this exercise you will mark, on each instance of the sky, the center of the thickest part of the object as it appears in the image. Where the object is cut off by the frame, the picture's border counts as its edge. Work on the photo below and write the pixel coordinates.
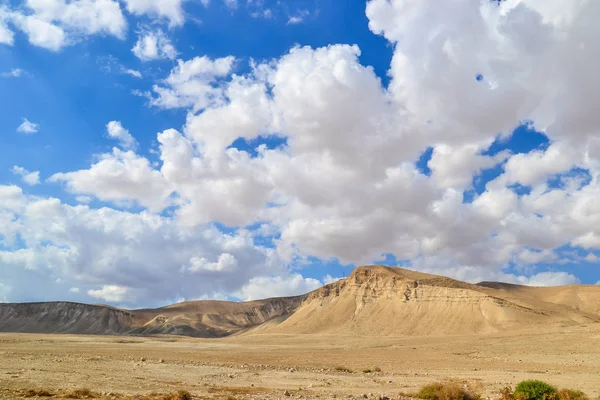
(155, 151)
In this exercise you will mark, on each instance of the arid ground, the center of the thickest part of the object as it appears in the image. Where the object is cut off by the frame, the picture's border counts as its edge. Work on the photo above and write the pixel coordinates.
(308, 366)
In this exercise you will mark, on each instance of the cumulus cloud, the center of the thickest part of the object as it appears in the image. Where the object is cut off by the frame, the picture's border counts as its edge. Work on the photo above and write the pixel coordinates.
(28, 127)
(277, 286)
(118, 256)
(116, 131)
(30, 178)
(110, 293)
(154, 45)
(170, 10)
(120, 176)
(192, 83)
(344, 184)
(57, 23)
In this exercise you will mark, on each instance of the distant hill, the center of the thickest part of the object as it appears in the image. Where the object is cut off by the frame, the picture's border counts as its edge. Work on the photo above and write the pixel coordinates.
(374, 301)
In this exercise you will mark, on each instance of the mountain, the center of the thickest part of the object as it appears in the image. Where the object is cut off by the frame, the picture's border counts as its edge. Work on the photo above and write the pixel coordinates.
(388, 301)
(196, 318)
(374, 300)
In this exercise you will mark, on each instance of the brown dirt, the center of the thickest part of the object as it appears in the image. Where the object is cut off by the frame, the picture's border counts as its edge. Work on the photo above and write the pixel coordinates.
(264, 366)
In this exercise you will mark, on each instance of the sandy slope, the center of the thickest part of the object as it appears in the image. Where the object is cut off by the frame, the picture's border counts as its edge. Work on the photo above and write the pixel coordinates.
(384, 301)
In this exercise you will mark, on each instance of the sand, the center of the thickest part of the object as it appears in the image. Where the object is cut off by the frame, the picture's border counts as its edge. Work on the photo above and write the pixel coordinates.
(259, 365)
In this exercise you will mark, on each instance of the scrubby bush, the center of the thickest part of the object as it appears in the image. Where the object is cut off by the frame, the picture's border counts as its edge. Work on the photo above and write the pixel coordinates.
(506, 393)
(568, 394)
(535, 390)
(446, 391)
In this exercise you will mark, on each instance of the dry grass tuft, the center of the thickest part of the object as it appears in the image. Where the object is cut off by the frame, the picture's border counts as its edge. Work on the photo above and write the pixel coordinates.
(81, 394)
(568, 394)
(446, 391)
(506, 393)
(37, 393)
(178, 395)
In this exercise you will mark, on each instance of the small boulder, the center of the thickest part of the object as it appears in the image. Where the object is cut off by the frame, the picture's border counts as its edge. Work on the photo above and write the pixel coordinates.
(287, 393)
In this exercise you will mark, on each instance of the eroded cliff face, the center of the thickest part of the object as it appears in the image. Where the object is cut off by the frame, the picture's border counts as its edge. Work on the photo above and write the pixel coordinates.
(64, 317)
(392, 301)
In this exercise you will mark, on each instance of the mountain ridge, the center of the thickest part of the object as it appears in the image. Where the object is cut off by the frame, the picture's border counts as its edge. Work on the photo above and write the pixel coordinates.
(373, 300)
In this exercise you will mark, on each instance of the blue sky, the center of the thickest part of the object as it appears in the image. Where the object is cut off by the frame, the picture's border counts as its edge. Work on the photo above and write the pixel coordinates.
(158, 151)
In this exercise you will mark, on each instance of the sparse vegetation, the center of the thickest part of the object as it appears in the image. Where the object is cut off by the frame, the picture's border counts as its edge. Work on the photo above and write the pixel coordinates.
(179, 395)
(446, 391)
(37, 393)
(539, 390)
(369, 370)
(506, 393)
(81, 394)
(534, 390)
(341, 368)
(568, 394)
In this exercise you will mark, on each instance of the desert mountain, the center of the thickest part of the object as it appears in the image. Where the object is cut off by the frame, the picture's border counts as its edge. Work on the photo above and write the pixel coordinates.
(374, 300)
(196, 318)
(393, 301)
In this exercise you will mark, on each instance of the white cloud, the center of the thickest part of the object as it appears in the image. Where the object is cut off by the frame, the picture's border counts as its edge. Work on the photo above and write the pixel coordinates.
(15, 73)
(75, 290)
(535, 257)
(7, 36)
(28, 127)
(83, 199)
(42, 33)
(53, 24)
(116, 131)
(132, 72)
(552, 279)
(226, 262)
(170, 10)
(119, 256)
(298, 18)
(154, 46)
(110, 293)
(277, 286)
(193, 83)
(30, 178)
(345, 185)
(330, 279)
(120, 176)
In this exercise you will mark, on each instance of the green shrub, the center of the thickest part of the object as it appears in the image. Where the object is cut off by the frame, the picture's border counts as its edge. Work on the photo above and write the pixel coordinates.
(535, 390)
